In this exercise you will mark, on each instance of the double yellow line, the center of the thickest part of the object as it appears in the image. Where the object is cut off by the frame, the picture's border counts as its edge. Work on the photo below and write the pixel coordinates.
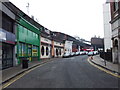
(107, 71)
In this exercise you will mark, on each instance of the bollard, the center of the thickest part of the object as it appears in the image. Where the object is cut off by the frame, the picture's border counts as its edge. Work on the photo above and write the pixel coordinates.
(91, 57)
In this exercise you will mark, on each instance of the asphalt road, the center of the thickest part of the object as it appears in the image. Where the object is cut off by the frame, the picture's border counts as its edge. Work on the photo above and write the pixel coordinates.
(74, 72)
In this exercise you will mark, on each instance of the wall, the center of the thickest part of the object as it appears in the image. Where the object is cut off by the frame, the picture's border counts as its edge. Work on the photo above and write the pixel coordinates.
(107, 27)
(46, 43)
(68, 46)
(58, 49)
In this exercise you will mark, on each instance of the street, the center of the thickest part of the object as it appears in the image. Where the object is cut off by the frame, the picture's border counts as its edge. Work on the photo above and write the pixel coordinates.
(74, 72)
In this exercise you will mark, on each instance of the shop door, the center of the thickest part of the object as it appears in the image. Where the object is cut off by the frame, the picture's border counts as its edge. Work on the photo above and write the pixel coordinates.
(7, 56)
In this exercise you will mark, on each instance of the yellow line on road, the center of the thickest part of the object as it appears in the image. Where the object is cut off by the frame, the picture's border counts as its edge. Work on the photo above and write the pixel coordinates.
(20, 76)
(111, 73)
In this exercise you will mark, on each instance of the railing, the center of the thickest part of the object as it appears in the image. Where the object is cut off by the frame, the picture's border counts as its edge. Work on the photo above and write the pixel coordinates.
(106, 56)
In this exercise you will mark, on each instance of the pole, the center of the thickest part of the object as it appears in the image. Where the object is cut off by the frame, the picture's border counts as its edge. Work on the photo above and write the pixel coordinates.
(104, 59)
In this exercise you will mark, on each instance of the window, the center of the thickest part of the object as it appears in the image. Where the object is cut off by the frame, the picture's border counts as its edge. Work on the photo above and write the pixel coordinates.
(20, 49)
(42, 51)
(60, 51)
(29, 50)
(23, 50)
(7, 23)
(115, 6)
(47, 51)
(34, 34)
(34, 51)
(57, 52)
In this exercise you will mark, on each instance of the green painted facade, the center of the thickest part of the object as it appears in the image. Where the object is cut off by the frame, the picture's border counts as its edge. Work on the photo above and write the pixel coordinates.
(28, 41)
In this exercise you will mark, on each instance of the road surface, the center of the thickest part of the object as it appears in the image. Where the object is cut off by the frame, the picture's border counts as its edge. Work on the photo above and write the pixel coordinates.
(74, 72)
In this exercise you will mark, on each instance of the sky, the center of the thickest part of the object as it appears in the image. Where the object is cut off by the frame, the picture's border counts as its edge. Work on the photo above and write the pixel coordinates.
(83, 18)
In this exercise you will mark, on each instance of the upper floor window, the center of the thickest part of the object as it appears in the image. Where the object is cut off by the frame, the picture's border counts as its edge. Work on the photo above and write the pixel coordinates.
(7, 23)
(115, 6)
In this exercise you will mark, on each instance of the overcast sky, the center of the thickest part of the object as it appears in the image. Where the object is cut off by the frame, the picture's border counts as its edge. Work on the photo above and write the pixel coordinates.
(83, 18)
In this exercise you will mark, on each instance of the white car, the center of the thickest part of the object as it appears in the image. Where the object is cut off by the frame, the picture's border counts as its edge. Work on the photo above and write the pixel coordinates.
(77, 53)
(72, 54)
(81, 52)
(95, 52)
(90, 53)
(66, 55)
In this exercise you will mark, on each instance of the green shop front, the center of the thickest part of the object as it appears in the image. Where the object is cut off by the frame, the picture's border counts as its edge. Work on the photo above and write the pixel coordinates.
(28, 41)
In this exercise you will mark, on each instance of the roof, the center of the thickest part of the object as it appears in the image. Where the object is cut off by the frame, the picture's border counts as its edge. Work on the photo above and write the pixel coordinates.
(19, 13)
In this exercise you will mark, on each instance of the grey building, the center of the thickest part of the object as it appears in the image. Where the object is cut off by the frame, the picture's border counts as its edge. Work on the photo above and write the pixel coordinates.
(7, 37)
(115, 24)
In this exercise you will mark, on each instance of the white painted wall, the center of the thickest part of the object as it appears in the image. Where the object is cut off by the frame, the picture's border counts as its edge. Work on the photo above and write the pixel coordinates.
(68, 46)
(45, 40)
(49, 42)
(59, 45)
(107, 26)
(62, 51)
(45, 56)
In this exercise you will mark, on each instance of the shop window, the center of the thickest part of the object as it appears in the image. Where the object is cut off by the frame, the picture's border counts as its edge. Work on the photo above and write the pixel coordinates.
(23, 49)
(29, 50)
(60, 51)
(57, 52)
(20, 49)
(42, 50)
(47, 51)
(34, 51)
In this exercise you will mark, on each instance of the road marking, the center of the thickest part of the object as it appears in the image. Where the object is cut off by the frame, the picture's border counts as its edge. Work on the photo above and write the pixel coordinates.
(113, 74)
(21, 75)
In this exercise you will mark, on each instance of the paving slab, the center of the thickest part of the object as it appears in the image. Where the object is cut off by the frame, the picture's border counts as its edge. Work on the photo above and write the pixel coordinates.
(109, 65)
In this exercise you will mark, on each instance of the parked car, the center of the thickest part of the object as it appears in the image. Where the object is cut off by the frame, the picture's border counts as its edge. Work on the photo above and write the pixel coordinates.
(81, 52)
(65, 55)
(95, 52)
(90, 53)
(72, 54)
(77, 53)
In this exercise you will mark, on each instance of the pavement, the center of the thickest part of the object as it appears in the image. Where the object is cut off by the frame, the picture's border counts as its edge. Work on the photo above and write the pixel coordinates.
(106, 64)
(10, 73)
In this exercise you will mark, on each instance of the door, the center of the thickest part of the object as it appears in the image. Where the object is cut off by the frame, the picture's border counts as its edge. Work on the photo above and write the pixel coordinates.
(7, 55)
